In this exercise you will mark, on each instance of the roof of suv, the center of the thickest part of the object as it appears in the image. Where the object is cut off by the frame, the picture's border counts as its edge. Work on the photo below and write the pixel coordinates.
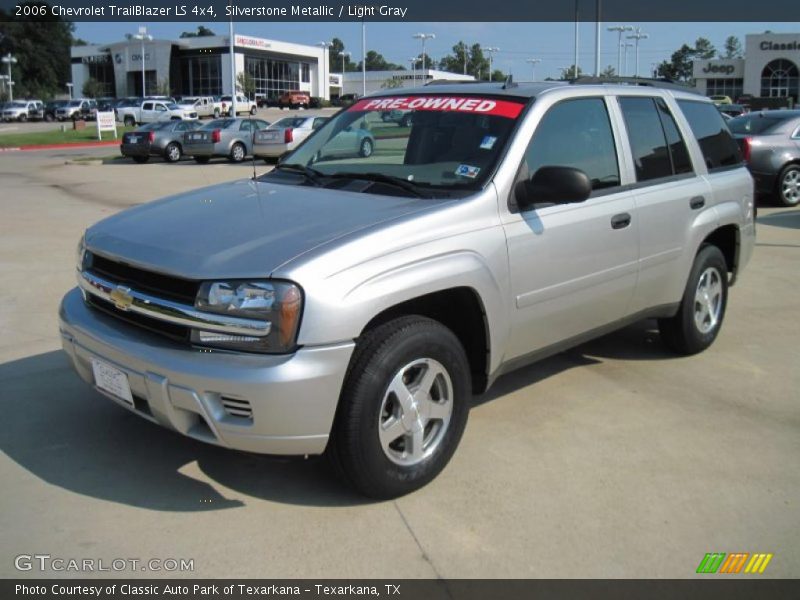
(530, 90)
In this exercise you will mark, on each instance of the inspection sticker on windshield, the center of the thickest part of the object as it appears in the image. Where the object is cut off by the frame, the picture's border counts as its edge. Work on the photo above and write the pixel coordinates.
(468, 171)
(488, 142)
(463, 104)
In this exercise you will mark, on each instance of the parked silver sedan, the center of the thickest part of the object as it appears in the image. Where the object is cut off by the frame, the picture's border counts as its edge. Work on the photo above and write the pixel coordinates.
(770, 143)
(285, 134)
(229, 137)
(163, 139)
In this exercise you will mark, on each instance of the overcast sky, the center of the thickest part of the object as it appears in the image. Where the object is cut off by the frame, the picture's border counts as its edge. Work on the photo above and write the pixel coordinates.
(553, 43)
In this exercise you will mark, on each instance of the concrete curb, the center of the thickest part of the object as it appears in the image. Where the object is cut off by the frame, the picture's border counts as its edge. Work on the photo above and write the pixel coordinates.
(34, 147)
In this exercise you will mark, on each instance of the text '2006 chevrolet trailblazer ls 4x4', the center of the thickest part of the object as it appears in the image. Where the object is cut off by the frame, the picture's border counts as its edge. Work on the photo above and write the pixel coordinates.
(351, 303)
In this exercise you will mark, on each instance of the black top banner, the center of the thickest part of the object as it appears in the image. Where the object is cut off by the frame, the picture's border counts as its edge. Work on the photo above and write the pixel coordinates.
(405, 10)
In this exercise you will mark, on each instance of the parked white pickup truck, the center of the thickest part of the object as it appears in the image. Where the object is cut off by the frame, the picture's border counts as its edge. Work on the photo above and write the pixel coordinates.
(204, 106)
(155, 110)
(243, 105)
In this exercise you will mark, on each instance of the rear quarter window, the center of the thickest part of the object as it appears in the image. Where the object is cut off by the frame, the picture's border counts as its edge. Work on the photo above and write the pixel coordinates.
(716, 143)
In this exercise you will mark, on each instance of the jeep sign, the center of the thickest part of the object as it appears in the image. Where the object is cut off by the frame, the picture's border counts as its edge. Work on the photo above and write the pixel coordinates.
(723, 69)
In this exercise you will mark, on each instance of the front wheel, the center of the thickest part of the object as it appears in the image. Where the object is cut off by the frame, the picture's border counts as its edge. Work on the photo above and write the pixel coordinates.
(238, 152)
(253, 111)
(366, 148)
(172, 153)
(789, 185)
(699, 318)
(23, 118)
(129, 122)
(216, 113)
(403, 407)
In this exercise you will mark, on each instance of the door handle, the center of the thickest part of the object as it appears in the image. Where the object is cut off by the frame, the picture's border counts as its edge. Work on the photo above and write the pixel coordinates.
(620, 221)
(697, 202)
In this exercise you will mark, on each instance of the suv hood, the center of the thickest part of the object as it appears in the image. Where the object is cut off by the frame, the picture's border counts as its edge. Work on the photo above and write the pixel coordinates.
(240, 229)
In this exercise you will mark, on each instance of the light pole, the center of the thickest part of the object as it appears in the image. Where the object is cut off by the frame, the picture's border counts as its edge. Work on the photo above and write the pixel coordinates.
(491, 50)
(142, 36)
(424, 37)
(344, 55)
(533, 62)
(620, 29)
(577, 34)
(598, 27)
(363, 58)
(10, 60)
(625, 46)
(413, 60)
(69, 87)
(638, 36)
(325, 83)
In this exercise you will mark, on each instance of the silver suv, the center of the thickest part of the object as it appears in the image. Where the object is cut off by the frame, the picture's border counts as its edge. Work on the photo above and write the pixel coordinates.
(352, 305)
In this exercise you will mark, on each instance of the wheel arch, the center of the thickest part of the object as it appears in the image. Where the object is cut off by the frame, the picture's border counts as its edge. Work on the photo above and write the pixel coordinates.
(728, 239)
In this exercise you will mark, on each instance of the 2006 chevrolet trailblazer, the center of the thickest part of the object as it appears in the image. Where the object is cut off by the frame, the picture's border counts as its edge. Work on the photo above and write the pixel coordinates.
(351, 303)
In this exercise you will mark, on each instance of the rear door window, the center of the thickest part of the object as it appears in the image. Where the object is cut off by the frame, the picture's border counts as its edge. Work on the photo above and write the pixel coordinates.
(656, 144)
(716, 143)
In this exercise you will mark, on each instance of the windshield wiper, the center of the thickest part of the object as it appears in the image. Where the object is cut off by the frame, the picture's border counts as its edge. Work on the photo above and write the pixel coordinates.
(310, 174)
(398, 182)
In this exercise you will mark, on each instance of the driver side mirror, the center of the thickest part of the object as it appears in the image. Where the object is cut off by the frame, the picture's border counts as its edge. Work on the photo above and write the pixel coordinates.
(553, 185)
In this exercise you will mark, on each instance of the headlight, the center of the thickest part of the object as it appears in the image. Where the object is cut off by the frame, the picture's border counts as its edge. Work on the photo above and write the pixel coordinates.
(278, 302)
(80, 254)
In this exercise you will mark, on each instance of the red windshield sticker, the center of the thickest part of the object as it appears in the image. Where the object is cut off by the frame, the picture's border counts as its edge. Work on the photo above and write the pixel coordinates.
(467, 104)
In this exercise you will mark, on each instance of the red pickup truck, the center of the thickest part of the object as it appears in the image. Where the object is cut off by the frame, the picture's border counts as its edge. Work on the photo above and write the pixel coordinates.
(294, 99)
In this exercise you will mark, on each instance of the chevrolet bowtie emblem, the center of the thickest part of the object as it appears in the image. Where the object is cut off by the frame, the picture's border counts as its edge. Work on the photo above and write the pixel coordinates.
(121, 297)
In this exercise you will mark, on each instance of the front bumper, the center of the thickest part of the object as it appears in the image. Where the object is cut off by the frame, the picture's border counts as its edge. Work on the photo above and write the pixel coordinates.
(292, 398)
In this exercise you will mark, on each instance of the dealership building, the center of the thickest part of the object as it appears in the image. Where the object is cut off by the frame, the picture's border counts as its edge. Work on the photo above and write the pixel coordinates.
(770, 69)
(201, 66)
(354, 81)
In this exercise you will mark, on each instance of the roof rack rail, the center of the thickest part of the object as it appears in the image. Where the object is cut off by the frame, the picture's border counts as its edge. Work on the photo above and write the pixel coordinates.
(660, 82)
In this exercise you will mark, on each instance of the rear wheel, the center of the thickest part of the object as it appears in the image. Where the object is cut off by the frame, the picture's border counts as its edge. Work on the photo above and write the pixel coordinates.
(253, 111)
(129, 121)
(23, 118)
(699, 319)
(403, 408)
(201, 160)
(216, 113)
(789, 185)
(366, 148)
(173, 153)
(238, 152)
(141, 159)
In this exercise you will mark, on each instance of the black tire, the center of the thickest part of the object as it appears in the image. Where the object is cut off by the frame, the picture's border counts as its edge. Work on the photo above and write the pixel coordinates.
(140, 159)
(681, 333)
(216, 113)
(23, 118)
(238, 153)
(253, 111)
(366, 149)
(49, 118)
(355, 448)
(129, 121)
(788, 195)
(173, 152)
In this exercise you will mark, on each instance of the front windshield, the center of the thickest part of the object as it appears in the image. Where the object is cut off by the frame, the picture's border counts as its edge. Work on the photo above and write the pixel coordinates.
(430, 140)
(172, 106)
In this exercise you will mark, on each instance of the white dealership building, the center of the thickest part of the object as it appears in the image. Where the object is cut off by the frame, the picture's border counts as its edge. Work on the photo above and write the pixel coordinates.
(770, 69)
(201, 66)
(378, 80)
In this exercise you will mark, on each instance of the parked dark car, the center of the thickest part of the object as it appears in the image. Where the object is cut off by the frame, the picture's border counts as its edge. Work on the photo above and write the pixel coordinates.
(770, 143)
(732, 110)
(163, 138)
(50, 109)
(345, 100)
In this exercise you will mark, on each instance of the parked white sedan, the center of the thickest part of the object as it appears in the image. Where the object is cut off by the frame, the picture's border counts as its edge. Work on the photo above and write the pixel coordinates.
(284, 135)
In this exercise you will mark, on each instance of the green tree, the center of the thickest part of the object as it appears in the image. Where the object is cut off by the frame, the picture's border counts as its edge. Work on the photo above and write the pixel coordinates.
(201, 32)
(335, 60)
(609, 71)
(41, 46)
(679, 66)
(79, 42)
(569, 73)
(93, 88)
(376, 62)
(704, 49)
(246, 83)
(392, 83)
(733, 47)
(455, 62)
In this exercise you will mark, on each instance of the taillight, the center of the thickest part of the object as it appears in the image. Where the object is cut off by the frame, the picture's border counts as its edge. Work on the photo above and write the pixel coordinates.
(151, 137)
(288, 135)
(747, 145)
(216, 136)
